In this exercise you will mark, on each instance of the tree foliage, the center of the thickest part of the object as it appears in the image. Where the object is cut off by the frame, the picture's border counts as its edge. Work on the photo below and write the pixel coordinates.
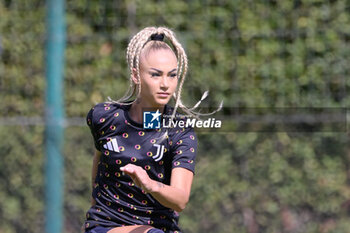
(250, 54)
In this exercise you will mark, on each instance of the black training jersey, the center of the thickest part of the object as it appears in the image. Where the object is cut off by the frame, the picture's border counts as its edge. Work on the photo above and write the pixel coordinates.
(119, 201)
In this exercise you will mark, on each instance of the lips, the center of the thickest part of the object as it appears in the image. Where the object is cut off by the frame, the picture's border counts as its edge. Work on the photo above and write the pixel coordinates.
(163, 94)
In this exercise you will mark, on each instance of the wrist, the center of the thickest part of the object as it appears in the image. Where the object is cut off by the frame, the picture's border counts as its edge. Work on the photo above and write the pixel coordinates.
(153, 187)
(156, 187)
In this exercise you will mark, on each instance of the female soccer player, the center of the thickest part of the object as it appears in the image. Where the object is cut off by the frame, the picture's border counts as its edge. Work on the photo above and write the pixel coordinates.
(142, 177)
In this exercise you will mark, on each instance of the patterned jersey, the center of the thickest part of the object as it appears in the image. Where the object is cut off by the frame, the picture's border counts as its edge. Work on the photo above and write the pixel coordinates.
(119, 201)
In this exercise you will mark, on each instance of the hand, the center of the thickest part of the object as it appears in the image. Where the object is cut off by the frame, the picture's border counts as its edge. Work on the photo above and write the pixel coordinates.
(139, 176)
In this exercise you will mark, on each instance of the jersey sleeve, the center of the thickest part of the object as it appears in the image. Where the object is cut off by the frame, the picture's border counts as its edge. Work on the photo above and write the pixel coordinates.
(184, 149)
(91, 119)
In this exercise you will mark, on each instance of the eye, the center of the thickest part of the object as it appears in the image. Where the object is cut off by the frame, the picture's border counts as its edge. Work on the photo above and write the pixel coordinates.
(155, 74)
(173, 75)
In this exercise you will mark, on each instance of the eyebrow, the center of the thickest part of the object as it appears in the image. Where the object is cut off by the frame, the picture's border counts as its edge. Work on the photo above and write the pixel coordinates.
(162, 71)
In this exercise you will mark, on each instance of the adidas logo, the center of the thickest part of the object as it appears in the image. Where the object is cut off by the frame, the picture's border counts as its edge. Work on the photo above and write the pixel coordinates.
(112, 145)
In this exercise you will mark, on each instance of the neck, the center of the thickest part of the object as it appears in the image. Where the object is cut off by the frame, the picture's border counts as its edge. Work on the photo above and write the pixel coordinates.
(137, 108)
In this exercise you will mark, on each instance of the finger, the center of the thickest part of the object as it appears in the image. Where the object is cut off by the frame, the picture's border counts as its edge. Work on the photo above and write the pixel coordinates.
(130, 165)
(132, 174)
(127, 169)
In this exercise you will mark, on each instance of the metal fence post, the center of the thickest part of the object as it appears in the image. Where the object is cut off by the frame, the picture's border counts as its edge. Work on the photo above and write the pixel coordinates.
(54, 118)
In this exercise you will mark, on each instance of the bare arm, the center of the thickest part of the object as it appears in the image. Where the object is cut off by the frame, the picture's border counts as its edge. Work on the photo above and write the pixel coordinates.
(177, 194)
(174, 196)
(95, 162)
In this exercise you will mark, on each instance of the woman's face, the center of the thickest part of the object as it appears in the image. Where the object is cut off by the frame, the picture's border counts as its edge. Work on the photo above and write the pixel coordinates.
(158, 73)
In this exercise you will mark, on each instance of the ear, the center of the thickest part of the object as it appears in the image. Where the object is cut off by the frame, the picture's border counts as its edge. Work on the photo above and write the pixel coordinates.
(134, 76)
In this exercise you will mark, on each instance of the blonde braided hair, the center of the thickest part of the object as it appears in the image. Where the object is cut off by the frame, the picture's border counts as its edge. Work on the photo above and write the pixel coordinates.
(133, 52)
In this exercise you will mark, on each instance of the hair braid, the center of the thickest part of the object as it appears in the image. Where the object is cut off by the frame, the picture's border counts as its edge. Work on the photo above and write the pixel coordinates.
(132, 56)
(182, 68)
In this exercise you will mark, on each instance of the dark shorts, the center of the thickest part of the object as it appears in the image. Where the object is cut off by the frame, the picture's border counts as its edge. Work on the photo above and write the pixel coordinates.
(155, 230)
(99, 229)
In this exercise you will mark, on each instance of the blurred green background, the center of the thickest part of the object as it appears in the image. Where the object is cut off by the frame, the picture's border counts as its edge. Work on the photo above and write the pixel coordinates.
(249, 53)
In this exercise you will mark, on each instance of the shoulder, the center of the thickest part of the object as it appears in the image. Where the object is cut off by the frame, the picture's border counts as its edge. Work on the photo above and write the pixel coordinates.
(181, 126)
(178, 116)
(101, 112)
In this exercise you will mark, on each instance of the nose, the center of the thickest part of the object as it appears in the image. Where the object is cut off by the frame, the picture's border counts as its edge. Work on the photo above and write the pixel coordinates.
(164, 82)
